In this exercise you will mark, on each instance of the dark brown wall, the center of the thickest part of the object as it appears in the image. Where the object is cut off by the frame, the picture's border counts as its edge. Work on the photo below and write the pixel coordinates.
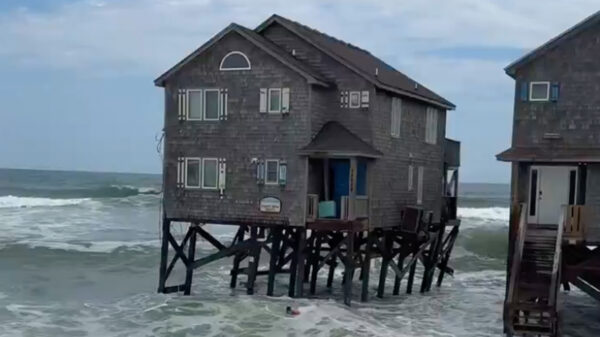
(390, 179)
(246, 134)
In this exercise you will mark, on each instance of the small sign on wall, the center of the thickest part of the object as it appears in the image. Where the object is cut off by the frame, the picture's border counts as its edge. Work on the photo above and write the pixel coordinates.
(270, 205)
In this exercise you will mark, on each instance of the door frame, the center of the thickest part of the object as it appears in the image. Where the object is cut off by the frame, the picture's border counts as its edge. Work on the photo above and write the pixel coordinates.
(539, 169)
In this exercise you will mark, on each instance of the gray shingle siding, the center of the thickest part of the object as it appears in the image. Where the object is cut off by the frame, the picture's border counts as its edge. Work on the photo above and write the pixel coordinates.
(246, 134)
(576, 115)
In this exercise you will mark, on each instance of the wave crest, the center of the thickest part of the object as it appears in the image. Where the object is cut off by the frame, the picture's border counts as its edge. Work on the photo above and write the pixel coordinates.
(489, 213)
(11, 201)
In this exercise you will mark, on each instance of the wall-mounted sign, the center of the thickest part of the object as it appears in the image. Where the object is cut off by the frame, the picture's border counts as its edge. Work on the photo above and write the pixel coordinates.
(270, 205)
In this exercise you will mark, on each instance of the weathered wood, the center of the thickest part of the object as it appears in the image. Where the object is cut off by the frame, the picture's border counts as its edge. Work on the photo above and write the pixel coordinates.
(349, 270)
(315, 262)
(254, 259)
(385, 248)
(293, 266)
(301, 260)
(274, 256)
(189, 272)
(164, 254)
(366, 267)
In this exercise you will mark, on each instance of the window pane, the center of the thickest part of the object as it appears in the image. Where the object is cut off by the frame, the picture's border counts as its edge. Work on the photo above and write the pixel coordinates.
(272, 171)
(275, 100)
(354, 99)
(539, 91)
(195, 104)
(235, 61)
(193, 173)
(212, 104)
(210, 174)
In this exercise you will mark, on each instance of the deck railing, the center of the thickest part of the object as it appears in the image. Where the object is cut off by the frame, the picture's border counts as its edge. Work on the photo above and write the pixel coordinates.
(517, 257)
(312, 207)
(555, 278)
(361, 207)
(575, 223)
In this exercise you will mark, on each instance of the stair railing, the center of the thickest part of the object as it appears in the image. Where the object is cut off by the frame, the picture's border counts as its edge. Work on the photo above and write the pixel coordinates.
(517, 256)
(555, 278)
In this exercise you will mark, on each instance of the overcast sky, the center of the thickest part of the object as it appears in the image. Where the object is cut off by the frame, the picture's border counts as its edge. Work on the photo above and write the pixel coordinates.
(77, 89)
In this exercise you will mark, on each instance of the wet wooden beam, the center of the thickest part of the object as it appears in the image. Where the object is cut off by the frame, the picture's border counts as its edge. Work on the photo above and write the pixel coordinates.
(274, 256)
(189, 272)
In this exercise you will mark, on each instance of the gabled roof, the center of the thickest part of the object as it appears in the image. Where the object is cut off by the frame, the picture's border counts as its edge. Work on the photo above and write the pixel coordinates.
(361, 62)
(537, 154)
(266, 45)
(335, 140)
(553, 43)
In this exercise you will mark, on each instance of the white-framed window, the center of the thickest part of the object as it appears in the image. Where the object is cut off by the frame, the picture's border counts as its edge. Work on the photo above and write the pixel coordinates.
(195, 107)
(354, 99)
(396, 117)
(235, 60)
(211, 105)
(192, 172)
(272, 172)
(410, 177)
(420, 185)
(431, 126)
(210, 173)
(274, 100)
(539, 91)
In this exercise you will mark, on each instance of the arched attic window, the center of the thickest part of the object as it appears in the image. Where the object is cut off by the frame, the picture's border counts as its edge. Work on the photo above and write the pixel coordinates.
(235, 60)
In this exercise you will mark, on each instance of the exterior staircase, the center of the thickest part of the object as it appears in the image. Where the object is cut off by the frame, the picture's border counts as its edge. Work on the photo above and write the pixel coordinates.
(530, 308)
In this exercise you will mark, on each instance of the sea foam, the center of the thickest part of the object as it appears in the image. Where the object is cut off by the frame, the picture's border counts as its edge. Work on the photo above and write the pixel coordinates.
(10, 201)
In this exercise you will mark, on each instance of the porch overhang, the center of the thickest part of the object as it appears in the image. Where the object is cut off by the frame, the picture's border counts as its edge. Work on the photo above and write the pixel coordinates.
(550, 155)
(334, 140)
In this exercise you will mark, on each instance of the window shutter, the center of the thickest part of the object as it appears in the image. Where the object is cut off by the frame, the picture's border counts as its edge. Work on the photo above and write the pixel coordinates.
(223, 106)
(260, 172)
(364, 99)
(180, 172)
(554, 91)
(420, 185)
(182, 104)
(263, 100)
(285, 100)
(222, 174)
(524, 91)
(282, 173)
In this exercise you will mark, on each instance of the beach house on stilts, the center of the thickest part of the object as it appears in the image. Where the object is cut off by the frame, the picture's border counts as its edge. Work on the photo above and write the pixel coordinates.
(317, 153)
(555, 192)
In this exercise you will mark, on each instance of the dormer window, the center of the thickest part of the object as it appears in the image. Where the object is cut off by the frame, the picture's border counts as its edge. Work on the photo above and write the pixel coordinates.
(539, 91)
(235, 60)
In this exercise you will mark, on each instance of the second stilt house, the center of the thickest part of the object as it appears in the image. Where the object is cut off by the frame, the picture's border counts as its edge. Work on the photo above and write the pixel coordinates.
(283, 125)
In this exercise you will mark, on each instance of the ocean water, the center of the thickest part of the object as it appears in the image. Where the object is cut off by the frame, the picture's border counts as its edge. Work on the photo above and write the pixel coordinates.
(79, 256)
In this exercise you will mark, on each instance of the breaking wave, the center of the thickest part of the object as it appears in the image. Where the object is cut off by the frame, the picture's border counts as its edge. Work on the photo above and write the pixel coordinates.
(489, 213)
(11, 201)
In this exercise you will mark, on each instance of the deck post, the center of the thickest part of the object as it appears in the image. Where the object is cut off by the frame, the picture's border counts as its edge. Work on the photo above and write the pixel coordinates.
(387, 243)
(413, 267)
(276, 234)
(293, 263)
(301, 259)
(349, 269)
(254, 257)
(398, 280)
(366, 268)
(164, 254)
(315, 262)
(237, 258)
(189, 272)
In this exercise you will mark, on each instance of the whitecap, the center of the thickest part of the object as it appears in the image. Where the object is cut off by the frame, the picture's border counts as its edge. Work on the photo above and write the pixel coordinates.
(10, 201)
